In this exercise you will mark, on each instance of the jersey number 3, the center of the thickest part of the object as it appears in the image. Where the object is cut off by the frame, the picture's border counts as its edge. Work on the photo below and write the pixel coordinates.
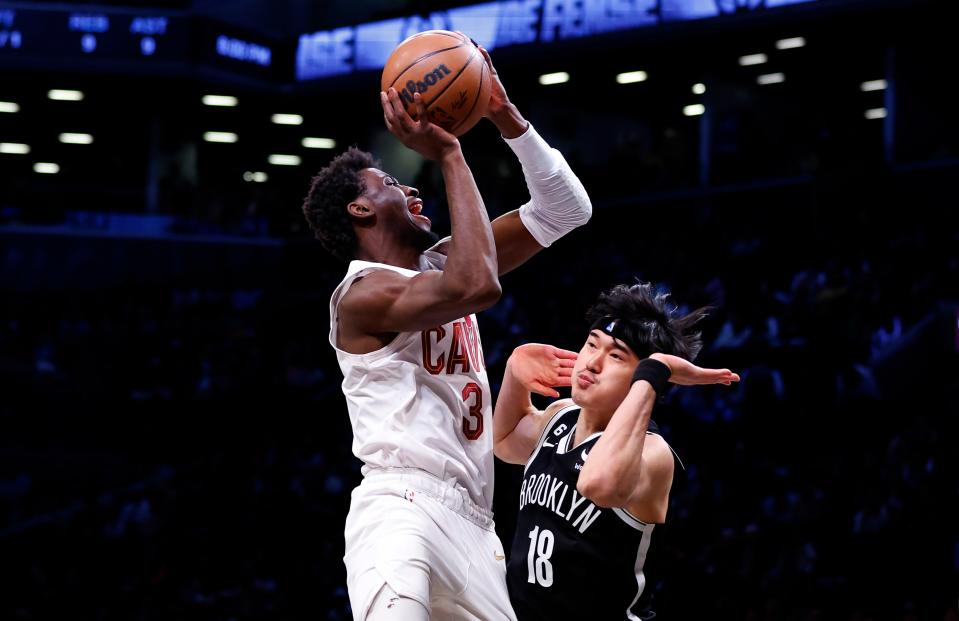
(473, 424)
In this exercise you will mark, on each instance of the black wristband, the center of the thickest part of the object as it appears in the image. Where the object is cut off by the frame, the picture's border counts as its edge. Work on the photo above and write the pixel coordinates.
(654, 372)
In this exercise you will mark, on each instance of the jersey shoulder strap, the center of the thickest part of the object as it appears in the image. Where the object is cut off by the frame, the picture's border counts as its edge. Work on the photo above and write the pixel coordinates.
(551, 424)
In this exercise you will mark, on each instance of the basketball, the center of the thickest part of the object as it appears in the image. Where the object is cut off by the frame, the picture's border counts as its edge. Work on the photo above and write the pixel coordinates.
(448, 72)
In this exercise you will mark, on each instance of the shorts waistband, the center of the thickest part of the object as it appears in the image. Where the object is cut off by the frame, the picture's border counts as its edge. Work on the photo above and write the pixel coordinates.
(450, 495)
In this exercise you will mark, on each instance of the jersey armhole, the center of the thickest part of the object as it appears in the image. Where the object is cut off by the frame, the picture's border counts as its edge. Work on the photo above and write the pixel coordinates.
(632, 521)
(337, 298)
(546, 429)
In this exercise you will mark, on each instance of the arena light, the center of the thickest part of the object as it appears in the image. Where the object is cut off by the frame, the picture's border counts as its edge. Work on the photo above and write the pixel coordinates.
(559, 77)
(68, 138)
(873, 85)
(694, 110)
(9, 106)
(59, 94)
(278, 159)
(225, 101)
(255, 177)
(752, 59)
(287, 119)
(631, 77)
(220, 137)
(46, 168)
(319, 143)
(699, 88)
(14, 148)
(876, 113)
(771, 78)
(790, 43)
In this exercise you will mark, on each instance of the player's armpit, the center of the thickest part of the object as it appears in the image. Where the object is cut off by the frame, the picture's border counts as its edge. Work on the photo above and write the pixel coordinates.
(384, 301)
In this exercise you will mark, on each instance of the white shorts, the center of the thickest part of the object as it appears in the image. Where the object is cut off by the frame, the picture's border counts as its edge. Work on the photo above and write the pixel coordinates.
(428, 541)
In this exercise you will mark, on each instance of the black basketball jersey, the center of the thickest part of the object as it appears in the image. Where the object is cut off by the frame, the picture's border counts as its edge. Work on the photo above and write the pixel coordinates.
(571, 559)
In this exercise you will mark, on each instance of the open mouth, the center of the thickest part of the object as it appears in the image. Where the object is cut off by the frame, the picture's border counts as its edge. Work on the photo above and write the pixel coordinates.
(416, 209)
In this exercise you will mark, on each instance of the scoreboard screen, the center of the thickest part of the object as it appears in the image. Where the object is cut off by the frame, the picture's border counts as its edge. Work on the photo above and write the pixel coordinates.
(93, 34)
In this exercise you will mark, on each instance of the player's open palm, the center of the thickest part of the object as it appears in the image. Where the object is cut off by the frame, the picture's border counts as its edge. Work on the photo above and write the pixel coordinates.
(426, 138)
(541, 368)
(685, 373)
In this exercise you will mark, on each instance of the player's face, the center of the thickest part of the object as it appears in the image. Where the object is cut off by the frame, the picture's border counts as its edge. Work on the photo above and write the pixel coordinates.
(398, 207)
(603, 373)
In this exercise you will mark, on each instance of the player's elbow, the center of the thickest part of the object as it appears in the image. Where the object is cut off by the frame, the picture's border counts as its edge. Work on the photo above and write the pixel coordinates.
(602, 491)
(483, 295)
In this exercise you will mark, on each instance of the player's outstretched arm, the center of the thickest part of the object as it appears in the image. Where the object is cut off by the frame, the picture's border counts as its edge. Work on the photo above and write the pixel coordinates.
(558, 200)
(383, 301)
(517, 424)
(613, 475)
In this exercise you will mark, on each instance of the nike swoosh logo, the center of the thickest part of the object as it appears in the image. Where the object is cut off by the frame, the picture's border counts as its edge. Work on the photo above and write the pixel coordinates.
(548, 444)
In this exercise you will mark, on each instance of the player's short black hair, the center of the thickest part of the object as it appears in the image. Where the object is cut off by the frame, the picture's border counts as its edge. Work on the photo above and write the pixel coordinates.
(645, 321)
(331, 190)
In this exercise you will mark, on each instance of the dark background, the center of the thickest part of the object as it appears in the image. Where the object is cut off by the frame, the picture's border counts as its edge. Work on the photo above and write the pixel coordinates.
(173, 440)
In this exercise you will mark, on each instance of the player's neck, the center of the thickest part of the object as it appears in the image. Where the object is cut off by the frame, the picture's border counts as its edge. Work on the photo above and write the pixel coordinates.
(390, 254)
(588, 423)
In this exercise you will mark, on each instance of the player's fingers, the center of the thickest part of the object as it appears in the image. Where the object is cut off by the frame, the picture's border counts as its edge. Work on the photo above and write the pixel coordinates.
(422, 117)
(387, 109)
(720, 376)
(564, 381)
(489, 61)
(565, 372)
(565, 354)
(399, 112)
(542, 389)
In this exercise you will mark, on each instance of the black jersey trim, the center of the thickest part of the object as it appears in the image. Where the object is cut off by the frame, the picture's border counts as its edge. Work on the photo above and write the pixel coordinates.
(548, 428)
(564, 448)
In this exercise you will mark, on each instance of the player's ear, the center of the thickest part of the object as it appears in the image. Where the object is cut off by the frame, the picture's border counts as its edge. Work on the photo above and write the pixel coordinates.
(360, 210)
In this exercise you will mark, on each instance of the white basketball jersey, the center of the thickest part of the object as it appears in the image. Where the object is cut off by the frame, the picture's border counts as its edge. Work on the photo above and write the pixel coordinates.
(423, 401)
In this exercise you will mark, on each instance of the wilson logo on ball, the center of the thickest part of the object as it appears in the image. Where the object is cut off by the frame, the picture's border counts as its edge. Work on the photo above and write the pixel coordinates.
(423, 85)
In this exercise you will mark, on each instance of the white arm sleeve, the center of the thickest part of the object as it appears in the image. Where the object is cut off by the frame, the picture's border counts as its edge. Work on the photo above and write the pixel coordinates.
(558, 201)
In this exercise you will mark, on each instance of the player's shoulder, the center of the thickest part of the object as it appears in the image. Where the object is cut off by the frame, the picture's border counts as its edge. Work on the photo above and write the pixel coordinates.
(551, 411)
(658, 462)
(553, 408)
(372, 287)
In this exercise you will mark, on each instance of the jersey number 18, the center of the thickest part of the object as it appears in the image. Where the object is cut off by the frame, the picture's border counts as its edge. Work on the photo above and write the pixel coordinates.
(540, 549)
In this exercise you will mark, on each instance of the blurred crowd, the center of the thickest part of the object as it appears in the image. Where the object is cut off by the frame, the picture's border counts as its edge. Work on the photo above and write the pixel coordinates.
(178, 449)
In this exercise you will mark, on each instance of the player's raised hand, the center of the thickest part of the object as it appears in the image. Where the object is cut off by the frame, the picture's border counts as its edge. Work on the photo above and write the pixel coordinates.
(426, 138)
(685, 373)
(542, 368)
(498, 100)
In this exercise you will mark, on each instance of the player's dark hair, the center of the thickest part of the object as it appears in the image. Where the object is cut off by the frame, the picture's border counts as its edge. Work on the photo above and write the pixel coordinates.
(331, 190)
(645, 321)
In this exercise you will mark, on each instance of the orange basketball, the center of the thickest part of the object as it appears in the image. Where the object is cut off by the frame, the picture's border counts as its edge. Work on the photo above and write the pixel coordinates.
(448, 72)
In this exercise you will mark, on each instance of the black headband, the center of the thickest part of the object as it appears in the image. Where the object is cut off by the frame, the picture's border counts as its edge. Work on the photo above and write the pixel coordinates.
(614, 327)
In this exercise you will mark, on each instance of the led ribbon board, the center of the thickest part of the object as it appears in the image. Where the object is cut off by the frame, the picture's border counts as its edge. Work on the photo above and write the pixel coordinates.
(502, 23)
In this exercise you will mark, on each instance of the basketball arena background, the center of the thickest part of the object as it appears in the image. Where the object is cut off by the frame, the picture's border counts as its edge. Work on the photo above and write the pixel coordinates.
(173, 440)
